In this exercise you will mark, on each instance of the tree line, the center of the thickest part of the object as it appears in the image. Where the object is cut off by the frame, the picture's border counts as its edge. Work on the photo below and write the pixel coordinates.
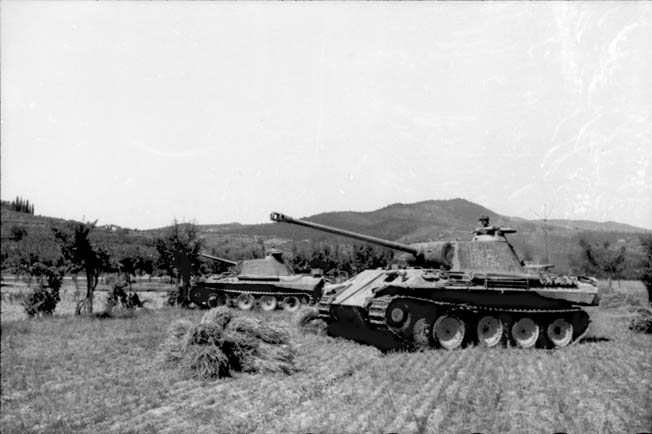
(74, 248)
(20, 205)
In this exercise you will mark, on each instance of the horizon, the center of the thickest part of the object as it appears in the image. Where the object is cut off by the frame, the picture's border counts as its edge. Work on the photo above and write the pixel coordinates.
(267, 221)
(137, 114)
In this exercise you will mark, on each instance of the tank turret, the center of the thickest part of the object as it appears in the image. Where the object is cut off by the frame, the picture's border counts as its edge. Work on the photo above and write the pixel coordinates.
(489, 251)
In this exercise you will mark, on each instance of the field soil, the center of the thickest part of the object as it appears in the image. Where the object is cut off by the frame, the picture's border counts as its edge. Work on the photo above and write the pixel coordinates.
(65, 375)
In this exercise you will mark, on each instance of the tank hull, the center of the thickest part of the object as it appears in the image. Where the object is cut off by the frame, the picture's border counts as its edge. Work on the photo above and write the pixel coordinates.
(408, 303)
(304, 289)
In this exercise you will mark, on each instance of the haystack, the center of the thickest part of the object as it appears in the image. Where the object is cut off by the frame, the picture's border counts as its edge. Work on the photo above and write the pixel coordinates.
(223, 343)
(220, 315)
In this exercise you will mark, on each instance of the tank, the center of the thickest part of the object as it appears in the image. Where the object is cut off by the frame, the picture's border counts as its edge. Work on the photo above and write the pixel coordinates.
(455, 293)
(269, 283)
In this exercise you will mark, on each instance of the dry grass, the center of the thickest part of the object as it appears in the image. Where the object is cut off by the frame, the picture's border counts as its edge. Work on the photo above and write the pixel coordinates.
(68, 375)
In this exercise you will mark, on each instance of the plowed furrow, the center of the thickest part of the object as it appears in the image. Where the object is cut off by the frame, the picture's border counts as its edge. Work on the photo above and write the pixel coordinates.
(372, 405)
(456, 406)
(625, 381)
(526, 391)
(439, 376)
(184, 396)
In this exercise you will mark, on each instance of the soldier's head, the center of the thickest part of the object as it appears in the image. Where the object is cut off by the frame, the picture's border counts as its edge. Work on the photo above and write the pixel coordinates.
(484, 220)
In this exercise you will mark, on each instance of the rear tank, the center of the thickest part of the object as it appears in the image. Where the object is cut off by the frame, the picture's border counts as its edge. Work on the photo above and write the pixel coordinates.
(268, 282)
(459, 292)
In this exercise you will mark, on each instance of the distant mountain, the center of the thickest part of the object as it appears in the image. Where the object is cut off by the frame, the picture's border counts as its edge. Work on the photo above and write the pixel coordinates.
(435, 220)
(432, 219)
(588, 225)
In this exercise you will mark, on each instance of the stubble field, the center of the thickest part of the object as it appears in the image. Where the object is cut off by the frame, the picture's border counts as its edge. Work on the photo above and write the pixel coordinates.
(66, 374)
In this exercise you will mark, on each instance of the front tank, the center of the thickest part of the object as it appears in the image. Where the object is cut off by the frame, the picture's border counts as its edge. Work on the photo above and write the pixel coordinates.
(476, 291)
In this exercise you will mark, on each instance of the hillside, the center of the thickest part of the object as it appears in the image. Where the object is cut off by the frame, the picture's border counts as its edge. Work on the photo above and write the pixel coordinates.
(40, 225)
(422, 221)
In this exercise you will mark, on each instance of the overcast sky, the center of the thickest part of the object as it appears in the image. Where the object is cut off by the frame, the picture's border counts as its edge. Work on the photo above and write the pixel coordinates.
(136, 113)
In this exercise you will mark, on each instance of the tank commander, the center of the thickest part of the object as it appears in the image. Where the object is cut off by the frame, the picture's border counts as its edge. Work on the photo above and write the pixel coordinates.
(485, 229)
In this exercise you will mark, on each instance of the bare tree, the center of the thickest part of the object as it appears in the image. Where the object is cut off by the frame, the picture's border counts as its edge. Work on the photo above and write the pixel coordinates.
(646, 272)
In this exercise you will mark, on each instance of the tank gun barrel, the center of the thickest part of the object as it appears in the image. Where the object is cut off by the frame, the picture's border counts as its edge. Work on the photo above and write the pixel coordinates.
(217, 258)
(282, 218)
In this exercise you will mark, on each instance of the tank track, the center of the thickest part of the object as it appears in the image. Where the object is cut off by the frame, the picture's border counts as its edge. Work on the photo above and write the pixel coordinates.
(261, 293)
(377, 316)
(234, 294)
(324, 308)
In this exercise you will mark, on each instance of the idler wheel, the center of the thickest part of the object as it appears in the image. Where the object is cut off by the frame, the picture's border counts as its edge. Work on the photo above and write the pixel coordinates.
(560, 332)
(291, 303)
(449, 332)
(490, 331)
(268, 302)
(525, 332)
(246, 301)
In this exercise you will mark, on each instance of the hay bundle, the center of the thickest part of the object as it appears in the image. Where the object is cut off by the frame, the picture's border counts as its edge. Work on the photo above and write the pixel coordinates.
(271, 359)
(221, 315)
(273, 334)
(245, 326)
(255, 329)
(206, 362)
(308, 321)
(222, 344)
(205, 334)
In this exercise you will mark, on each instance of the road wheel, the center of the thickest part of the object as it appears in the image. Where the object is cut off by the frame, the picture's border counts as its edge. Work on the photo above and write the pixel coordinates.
(525, 332)
(212, 301)
(223, 300)
(268, 303)
(422, 332)
(246, 302)
(490, 331)
(560, 332)
(449, 332)
(291, 303)
(398, 314)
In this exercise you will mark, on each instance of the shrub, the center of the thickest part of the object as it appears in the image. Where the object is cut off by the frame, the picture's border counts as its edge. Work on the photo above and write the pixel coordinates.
(642, 321)
(41, 301)
(118, 297)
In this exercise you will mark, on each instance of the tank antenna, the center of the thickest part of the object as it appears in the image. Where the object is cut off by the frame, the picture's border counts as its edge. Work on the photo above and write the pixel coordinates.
(546, 213)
